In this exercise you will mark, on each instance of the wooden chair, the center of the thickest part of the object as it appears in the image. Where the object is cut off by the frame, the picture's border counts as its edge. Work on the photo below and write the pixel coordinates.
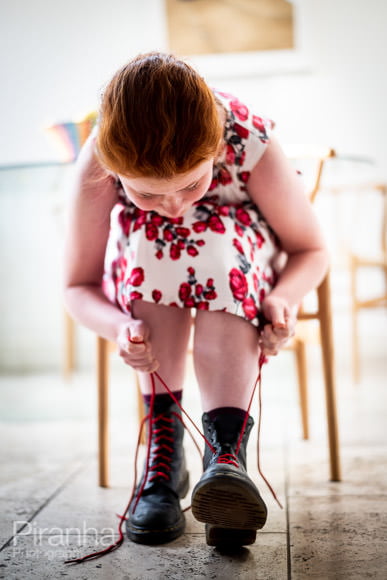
(360, 192)
(322, 314)
(317, 156)
(358, 262)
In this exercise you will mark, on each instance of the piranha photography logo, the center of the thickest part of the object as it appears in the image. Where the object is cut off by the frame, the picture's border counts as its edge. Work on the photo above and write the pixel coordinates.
(33, 541)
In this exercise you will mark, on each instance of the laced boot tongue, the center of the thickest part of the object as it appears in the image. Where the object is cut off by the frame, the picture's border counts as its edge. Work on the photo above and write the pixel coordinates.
(162, 448)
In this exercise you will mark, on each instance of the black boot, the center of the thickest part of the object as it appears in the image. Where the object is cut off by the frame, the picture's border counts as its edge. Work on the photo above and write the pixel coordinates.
(157, 517)
(225, 498)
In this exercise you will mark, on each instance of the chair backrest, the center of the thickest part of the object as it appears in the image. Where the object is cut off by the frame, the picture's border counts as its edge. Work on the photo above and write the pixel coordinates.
(315, 155)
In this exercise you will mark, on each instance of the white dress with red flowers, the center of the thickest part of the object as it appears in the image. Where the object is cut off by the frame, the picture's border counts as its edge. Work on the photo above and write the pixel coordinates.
(219, 255)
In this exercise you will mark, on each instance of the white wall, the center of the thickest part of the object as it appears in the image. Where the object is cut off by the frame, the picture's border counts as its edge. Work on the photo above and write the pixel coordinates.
(56, 56)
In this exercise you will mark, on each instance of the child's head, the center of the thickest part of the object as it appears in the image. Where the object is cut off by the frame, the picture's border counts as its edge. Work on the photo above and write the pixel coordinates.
(158, 119)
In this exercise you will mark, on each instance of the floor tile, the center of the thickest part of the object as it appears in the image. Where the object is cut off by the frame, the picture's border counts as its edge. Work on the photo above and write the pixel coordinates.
(42, 557)
(338, 537)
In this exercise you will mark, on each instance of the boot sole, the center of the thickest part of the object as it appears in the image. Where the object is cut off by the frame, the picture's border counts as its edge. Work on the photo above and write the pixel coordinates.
(163, 536)
(228, 502)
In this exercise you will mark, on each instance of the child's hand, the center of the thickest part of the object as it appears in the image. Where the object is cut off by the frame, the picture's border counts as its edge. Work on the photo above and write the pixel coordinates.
(135, 348)
(280, 327)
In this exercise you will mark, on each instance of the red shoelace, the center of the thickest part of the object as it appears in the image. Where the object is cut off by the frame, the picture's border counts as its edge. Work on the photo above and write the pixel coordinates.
(227, 458)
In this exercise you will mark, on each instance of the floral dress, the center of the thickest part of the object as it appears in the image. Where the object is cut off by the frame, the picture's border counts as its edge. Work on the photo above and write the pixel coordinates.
(219, 255)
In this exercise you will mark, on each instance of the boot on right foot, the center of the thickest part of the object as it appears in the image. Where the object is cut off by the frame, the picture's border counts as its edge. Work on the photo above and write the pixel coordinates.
(225, 498)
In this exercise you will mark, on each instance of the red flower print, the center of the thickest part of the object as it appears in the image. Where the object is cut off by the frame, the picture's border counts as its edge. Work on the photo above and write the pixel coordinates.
(168, 235)
(157, 219)
(174, 252)
(213, 183)
(262, 295)
(182, 232)
(224, 210)
(236, 243)
(239, 230)
(191, 271)
(225, 95)
(119, 268)
(202, 305)
(140, 220)
(260, 239)
(199, 227)
(124, 220)
(255, 281)
(216, 224)
(210, 294)
(242, 158)
(239, 109)
(244, 176)
(242, 216)
(200, 243)
(224, 176)
(156, 295)
(151, 231)
(181, 244)
(238, 284)
(198, 289)
(135, 295)
(249, 308)
(184, 291)
(189, 303)
(159, 254)
(136, 277)
(259, 124)
(192, 251)
(210, 282)
(230, 155)
(241, 131)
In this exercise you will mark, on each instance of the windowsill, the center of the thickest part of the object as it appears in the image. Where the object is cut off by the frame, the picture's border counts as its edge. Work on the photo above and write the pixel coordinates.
(251, 64)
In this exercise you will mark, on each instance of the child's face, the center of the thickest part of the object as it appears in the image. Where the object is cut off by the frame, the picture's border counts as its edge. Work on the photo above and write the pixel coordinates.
(169, 197)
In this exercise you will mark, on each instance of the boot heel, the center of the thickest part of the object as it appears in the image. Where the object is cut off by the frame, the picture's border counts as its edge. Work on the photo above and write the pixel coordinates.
(229, 537)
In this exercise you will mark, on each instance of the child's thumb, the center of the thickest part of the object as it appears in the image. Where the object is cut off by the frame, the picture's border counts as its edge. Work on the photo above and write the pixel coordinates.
(137, 332)
(277, 317)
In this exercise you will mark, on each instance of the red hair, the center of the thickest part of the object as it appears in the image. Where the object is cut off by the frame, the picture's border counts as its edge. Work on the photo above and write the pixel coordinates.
(158, 118)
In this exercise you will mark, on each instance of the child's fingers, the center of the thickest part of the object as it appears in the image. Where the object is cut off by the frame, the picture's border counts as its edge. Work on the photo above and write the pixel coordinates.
(135, 347)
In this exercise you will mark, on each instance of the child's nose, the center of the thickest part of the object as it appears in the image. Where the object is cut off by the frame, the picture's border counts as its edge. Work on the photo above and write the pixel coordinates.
(174, 207)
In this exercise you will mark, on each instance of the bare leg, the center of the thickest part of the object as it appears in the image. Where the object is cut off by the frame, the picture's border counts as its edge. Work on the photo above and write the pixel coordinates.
(226, 359)
(169, 334)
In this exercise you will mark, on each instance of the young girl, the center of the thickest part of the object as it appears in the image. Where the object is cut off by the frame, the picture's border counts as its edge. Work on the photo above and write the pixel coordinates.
(184, 200)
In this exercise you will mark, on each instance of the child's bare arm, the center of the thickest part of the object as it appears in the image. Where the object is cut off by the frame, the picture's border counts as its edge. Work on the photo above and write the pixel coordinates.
(278, 191)
(93, 197)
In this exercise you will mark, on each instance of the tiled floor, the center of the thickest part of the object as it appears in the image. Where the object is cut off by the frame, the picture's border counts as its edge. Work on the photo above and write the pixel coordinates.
(52, 508)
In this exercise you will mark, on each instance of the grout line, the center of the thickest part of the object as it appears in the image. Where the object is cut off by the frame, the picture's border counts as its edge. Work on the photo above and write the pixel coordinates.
(54, 494)
(287, 511)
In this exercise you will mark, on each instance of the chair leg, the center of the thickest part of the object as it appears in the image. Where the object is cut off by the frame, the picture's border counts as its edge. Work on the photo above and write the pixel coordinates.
(103, 409)
(141, 408)
(323, 293)
(355, 326)
(299, 352)
(69, 346)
